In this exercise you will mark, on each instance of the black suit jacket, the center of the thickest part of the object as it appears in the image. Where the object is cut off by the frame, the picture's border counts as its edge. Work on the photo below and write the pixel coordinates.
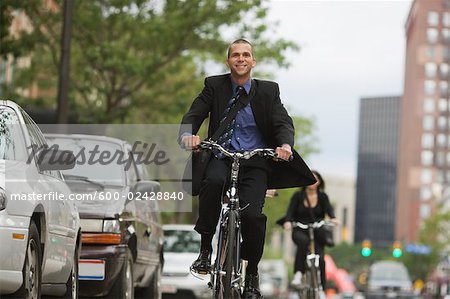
(271, 118)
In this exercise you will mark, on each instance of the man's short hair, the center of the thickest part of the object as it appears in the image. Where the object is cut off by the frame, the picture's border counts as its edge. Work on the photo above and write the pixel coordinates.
(239, 41)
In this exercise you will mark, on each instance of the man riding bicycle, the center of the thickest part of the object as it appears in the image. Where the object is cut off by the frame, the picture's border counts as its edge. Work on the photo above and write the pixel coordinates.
(262, 123)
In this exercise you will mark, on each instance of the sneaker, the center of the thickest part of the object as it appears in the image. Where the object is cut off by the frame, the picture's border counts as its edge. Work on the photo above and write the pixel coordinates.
(202, 265)
(297, 279)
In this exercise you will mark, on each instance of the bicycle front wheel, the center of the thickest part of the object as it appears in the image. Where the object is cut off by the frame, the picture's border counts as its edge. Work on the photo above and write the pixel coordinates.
(313, 278)
(227, 275)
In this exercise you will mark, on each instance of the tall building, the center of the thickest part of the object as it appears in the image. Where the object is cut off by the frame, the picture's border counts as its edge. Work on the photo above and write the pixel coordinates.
(424, 153)
(379, 119)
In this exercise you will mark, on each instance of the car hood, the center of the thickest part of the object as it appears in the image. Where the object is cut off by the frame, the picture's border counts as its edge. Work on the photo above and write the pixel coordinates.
(98, 208)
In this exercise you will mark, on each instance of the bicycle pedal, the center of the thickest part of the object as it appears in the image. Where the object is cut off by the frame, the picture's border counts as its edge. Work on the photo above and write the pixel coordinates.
(203, 272)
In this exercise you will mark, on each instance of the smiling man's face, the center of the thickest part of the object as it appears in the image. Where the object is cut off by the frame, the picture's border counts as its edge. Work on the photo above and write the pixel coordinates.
(241, 60)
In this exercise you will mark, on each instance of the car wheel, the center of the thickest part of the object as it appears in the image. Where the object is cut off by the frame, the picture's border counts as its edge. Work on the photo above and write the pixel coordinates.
(124, 286)
(32, 275)
(154, 288)
(72, 282)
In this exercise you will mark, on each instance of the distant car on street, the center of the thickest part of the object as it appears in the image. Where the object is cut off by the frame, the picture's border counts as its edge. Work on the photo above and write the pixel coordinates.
(122, 240)
(181, 247)
(388, 279)
(39, 226)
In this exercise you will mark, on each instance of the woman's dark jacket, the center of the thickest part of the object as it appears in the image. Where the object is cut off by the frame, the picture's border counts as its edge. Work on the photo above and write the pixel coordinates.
(298, 211)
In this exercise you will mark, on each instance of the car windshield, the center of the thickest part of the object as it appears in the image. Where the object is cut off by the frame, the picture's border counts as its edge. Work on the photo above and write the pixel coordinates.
(12, 144)
(389, 272)
(181, 241)
(88, 166)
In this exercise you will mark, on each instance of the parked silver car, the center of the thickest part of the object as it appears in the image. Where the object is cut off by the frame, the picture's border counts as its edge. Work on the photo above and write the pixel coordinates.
(122, 240)
(39, 224)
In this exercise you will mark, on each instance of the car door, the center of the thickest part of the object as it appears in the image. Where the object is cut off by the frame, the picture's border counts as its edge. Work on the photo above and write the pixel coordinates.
(144, 229)
(60, 215)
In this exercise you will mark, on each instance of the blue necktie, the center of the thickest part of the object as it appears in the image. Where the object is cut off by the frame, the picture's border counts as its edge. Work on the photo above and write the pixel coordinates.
(225, 139)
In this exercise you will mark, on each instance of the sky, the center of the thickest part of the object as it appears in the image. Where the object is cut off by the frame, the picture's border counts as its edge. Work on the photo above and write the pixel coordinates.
(349, 50)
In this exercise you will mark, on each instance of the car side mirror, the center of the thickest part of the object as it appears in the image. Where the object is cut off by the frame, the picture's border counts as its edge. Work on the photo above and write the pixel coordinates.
(53, 159)
(146, 187)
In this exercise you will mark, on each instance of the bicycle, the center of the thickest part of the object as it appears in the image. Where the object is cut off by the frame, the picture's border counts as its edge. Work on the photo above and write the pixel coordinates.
(311, 283)
(226, 279)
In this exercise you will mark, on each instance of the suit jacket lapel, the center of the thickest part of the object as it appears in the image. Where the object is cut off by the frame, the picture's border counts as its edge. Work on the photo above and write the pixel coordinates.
(225, 95)
(257, 105)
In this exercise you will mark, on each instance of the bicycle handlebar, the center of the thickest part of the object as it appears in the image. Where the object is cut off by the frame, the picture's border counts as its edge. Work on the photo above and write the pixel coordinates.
(313, 225)
(262, 152)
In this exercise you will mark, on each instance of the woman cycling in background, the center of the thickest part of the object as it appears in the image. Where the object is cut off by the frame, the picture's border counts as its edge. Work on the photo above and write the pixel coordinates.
(311, 197)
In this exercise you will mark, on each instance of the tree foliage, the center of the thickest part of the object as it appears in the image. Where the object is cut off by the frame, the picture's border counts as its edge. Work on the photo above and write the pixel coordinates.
(136, 60)
(435, 232)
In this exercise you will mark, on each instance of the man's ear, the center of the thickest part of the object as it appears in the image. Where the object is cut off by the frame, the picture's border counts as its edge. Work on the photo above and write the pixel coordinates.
(226, 62)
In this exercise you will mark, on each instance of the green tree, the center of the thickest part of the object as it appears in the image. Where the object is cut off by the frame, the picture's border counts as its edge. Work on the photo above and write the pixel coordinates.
(435, 232)
(130, 55)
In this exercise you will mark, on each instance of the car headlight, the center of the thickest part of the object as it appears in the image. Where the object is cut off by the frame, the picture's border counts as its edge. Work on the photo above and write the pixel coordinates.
(111, 226)
(3, 199)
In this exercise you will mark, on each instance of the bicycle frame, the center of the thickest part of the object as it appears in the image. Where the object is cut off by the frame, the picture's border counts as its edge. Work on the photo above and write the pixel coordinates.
(226, 276)
(312, 279)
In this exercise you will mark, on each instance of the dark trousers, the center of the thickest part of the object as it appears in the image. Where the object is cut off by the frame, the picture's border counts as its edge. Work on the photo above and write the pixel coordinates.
(252, 188)
(301, 239)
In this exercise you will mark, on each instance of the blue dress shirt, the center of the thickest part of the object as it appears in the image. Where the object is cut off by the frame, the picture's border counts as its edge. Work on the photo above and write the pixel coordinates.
(246, 134)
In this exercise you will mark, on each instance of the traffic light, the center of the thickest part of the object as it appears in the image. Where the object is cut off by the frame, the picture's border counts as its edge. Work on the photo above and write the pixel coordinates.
(366, 250)
(397, 250)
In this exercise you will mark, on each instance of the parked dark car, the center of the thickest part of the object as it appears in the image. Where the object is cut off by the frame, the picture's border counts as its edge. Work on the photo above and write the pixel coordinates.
(122, 236)
(388, 279)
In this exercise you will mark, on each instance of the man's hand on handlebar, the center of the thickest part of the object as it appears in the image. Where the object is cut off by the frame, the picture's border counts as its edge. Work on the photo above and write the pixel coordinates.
(284, 152)
(190, 142)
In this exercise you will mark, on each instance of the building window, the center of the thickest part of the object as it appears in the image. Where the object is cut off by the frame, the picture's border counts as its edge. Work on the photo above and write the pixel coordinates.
(443, 104)
(445, 35)
(425, 211)
(444, 88)
(427, 140)
(426, 176)
(441, 140)
(442, 123)
(431, 52)
(430, 87)
(433, 18)
(427, 158)
(441, 177)
(432, 35)
(425, 193)
(444, 70)
(446, 19)
(440, 159)
(428, 105)
(428, 123)
(430, 69)
(446, 53)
